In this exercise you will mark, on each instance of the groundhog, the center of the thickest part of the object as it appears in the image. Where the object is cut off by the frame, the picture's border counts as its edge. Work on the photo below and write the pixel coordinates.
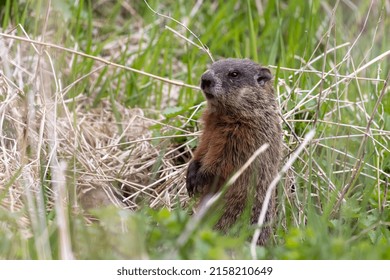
(241, 116)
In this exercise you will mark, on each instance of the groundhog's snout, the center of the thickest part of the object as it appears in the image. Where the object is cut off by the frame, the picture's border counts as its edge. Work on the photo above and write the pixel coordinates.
(207, 84)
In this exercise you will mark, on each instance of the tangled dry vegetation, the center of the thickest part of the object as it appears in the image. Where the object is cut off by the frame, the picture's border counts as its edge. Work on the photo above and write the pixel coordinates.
(102, 155)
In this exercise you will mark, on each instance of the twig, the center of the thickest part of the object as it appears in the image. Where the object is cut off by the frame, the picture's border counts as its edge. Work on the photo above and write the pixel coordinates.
(347, 77)
(361, 152)
(193, 223)
(302, 70)
(202, 46)
(109, 63)
(271, 188)
(317, 112)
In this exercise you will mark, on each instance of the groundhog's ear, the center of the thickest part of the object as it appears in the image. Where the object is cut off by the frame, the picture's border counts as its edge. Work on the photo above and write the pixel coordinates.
(263, 76)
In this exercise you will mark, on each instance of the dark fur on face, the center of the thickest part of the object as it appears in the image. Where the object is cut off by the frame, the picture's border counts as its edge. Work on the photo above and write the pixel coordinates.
(228, 86)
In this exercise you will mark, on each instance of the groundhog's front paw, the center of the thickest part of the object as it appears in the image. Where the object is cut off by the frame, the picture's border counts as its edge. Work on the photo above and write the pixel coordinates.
(191, 181)
(197, 181)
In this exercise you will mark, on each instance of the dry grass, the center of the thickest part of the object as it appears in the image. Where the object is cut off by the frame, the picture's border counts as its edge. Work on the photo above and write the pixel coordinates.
(108, 150)
(108, 154)
(110, 159)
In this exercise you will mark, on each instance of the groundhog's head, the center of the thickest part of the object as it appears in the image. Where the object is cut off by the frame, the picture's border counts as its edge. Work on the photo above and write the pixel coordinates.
(237, 85)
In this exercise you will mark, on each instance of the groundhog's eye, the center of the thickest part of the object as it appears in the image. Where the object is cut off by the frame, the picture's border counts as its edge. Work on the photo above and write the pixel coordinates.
(233, 74)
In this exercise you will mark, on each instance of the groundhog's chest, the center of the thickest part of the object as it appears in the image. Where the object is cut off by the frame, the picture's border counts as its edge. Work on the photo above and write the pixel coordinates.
(228, 147)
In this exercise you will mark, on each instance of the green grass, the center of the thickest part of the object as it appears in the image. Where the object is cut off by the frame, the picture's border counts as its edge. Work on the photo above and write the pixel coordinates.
(314, 222)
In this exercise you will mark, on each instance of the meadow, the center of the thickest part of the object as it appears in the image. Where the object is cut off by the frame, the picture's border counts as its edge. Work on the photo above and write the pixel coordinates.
(99, 117)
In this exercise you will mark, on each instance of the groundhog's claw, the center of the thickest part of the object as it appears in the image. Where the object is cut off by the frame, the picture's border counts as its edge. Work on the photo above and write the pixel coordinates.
(191, 180)
(197, 180)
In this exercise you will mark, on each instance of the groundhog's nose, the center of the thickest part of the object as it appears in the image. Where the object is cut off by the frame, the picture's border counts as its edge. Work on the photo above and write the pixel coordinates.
(207, 81)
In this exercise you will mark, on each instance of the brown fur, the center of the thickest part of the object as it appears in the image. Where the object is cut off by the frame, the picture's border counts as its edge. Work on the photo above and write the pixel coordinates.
(241, 116)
